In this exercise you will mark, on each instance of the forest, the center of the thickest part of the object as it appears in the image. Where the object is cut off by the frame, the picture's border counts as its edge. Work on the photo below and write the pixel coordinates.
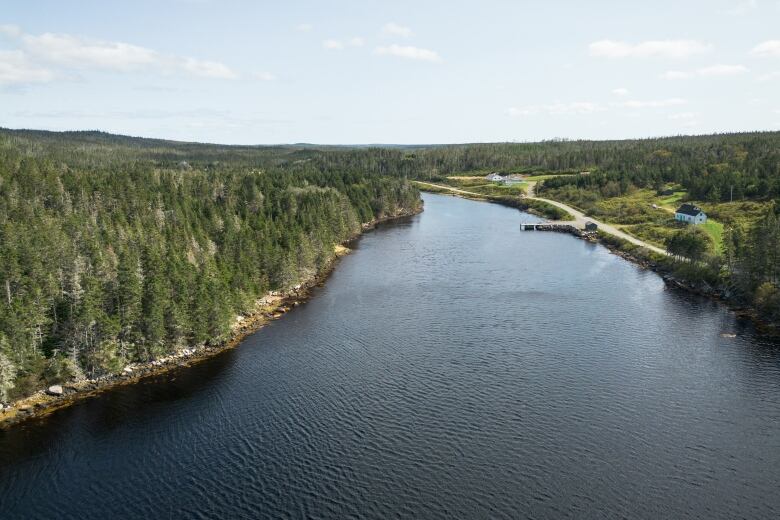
(116, 249)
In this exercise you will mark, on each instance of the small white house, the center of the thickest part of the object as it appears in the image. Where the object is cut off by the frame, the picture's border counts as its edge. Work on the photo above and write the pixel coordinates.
(690, 214)
(494, 177)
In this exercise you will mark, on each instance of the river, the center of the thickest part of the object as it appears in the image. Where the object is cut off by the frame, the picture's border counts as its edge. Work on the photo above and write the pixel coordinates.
(451, 367)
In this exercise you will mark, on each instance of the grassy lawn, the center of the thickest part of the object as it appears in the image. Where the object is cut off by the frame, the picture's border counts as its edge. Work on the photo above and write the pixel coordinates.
(672, 201)
(480, 185)
(715, 231)
(634, 213)
(465, 182)
(506, 195)
(537, 178)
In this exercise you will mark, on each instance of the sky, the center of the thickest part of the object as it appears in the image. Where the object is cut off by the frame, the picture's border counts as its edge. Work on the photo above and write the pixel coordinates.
(403, 72)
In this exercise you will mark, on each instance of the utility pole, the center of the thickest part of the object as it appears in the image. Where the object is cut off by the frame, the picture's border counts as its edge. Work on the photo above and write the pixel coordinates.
(731, 197)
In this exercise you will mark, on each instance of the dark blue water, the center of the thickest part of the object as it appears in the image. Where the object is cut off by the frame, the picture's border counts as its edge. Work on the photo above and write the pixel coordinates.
(452, 367)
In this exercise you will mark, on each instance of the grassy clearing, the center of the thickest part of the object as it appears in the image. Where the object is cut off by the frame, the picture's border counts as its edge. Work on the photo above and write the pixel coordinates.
(433, 189)
(482, 186)
(715, 230)
(633, 208)
(507, 196)
(543, 177)
(649, 217)
(653, 233)
(736, 213)
(672, 201)
(467, 182)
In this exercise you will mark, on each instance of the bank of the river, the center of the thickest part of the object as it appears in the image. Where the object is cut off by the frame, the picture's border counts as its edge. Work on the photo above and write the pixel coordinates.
(271, 306)
(664, 266)
(529, 205)
(451, 366)
(644, 257)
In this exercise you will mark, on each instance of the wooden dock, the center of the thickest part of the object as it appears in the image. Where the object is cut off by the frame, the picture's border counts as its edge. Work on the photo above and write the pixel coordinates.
(559, 226)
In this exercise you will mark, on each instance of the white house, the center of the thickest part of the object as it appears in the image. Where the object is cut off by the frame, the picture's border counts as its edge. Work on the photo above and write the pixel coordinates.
(512, 179)
(494, 177)
(690, 214)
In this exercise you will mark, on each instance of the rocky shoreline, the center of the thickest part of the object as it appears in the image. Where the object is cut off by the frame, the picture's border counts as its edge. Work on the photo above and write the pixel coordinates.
(719, 295)
(702, 289)
(716, 294)
(271, 306)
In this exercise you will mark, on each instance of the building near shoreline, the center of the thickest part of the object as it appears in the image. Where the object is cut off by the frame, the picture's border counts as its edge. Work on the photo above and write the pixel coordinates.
(690, 214)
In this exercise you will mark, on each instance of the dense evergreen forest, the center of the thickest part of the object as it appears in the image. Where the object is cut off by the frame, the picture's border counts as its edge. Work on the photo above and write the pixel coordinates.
(117, 249)
(114, 250)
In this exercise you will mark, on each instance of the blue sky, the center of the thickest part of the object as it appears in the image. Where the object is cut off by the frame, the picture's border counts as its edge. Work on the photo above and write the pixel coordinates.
(390, 72)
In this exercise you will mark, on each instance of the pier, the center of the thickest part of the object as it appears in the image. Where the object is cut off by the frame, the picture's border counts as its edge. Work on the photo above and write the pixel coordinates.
(559, 226)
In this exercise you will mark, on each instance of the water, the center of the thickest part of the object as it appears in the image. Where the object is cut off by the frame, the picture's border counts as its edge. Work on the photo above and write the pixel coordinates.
(452, 366)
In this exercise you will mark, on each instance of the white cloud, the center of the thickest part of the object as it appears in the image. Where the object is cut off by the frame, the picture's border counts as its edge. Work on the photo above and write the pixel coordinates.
(676, 74)
(334, 45)
(620, 91)
(587, 107)
(408, 52)
(722, 70)
(15, 68)
(556, 109)
(69, 52)
(393, 29)
(648, 49)
(338, 45)
(768, 48)
(653, 103)
(264, 76)
(711, 71)
(769, 76)
(741, 8)
(682, 116)
(304, 27)
(11, 31)
(208, 69)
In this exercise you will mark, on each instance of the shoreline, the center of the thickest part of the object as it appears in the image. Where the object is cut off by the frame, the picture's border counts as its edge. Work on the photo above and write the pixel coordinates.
(269, 307)
(612, 243)
(518, 204)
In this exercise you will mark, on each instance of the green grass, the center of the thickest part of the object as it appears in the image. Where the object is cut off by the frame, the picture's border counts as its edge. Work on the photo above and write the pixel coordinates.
(484, 187)
(537, 178)
(672, 201)
(736, 213)
(715, 230)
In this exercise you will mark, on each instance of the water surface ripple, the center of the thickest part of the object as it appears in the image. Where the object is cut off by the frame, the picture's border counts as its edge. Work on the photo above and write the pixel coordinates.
(452, 367)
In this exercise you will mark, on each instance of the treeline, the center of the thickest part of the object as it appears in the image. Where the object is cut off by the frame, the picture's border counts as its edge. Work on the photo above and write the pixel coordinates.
(113, 253)
(711, 168)
(753, 263)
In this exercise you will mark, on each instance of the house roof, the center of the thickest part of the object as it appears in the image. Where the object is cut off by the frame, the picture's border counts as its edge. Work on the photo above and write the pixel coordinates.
(689, 209)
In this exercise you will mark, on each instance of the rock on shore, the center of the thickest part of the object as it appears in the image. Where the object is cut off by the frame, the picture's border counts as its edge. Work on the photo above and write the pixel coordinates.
(55, 390)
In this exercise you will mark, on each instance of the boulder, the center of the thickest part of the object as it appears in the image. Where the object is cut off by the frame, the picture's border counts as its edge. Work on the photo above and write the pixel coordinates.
(55, 390)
